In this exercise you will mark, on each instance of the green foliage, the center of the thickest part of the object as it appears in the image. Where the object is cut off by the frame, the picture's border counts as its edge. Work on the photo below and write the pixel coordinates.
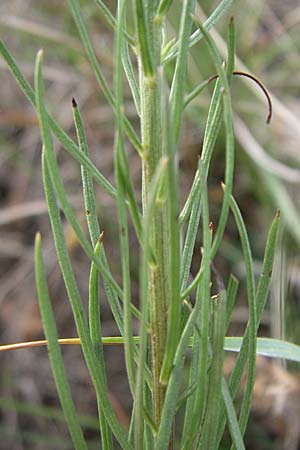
(169, 322)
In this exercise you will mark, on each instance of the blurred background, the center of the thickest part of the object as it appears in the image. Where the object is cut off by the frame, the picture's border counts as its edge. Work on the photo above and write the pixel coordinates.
(267, 177)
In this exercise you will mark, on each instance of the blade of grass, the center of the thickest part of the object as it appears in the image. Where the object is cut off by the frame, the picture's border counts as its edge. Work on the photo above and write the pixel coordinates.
(194, 413)
(213, 125)
(210, 136)
(54, 351)
(133, 206)
(74, 5)
(169, 408)
(69, 145)
(227, 117)
(194, 284)
(271, 348)
(59, 188)
(163, 7)
(232, 289)
(120, 175)
(112, 21)
(172, 195)
(195, 92)
(87, 182)
(179, 78)
(260, 300)
(184, 214)
(90, 207)
(142, 21)
(246, 403)
(232, 421)
(214, 395)
(190, 239)
(198, 34)
(129, 71)
(77, 308)
(96, 339)
(192, 388)
(94, 310)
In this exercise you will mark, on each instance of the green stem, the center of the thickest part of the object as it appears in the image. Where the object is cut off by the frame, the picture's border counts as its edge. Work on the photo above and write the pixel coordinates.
(158, 277)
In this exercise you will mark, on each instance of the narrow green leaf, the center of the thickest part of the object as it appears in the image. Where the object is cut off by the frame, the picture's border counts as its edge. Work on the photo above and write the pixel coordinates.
(92, 218)
(213, 124)
(179, 78)
(231, 49)
(188, 392)
(143, 34)
(163, 7)
(98, 72)
(174, 307)
(260, 300)
(186, 210)
(131, 78)
(232, 289)
(88, 190)
(87, 182)
(59, 188)
(77, 308)
(216, 15)
(195, 92)
(194, 284)
(119, 157)
(190, 239)
(172, 393)
(56, 179)
(195, 419)
(271, 348)
(112, 21)
(192, 387)
(54, 350)
(96, 339)
(246, 403)
(65, 265)
(232, 421)
(227, 117)
(210, 424)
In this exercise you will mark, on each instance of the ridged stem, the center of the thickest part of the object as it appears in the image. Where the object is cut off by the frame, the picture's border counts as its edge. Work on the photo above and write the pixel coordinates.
(158, 277)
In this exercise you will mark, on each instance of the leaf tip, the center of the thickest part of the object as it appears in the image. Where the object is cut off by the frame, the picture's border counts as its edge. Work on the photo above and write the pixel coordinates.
(40, 54)
(74, 103)
(38, 238)
(278, 213)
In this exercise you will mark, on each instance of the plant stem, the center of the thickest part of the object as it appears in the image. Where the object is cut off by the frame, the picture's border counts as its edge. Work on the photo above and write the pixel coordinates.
(158, 277)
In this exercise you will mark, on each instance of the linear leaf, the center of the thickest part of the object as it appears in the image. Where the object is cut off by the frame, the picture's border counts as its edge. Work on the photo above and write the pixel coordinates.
(54, 350)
